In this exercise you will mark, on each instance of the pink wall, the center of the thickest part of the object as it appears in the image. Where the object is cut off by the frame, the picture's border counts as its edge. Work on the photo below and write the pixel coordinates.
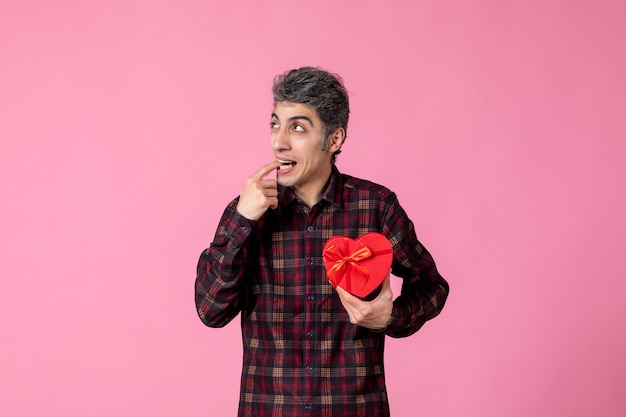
(126, 126)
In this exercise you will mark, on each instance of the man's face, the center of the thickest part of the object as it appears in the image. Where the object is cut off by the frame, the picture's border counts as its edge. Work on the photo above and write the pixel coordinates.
(296, 138)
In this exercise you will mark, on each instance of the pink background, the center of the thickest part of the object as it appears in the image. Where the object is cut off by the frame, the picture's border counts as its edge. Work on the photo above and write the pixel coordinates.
(126, 126)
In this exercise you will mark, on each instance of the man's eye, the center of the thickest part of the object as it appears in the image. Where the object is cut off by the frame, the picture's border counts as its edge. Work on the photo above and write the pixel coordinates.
(298, 128)
(273, 125)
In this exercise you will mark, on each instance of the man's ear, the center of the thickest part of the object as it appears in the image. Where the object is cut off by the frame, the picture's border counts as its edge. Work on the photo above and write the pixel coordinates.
(335, 140)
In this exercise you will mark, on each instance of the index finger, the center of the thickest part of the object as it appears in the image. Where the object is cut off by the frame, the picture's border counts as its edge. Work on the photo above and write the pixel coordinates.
(265, 169)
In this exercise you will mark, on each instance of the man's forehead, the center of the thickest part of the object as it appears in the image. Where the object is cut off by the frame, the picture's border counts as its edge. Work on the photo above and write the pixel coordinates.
(289, 109)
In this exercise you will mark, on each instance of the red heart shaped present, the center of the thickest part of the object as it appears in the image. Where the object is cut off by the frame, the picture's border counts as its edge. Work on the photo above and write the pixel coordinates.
(358, 265)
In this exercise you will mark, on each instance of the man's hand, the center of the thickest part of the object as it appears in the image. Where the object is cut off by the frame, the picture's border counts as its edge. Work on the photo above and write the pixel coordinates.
(374, 314)
(259, 193)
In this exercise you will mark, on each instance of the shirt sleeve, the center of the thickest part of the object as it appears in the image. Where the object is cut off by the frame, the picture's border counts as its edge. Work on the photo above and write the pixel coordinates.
(220, 288)
(424, 290)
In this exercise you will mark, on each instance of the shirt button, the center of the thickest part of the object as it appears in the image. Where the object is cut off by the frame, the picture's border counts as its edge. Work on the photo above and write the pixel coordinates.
(309, 368)
(310, 263)
(307, 407)
(245, 229)
(310, 228)
(309, 335)
(310, 297)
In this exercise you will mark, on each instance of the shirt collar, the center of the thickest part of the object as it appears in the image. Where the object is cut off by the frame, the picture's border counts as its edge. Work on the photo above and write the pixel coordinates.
(332, 193)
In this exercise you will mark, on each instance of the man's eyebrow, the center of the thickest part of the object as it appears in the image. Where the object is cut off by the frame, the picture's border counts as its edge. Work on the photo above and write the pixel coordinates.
(296, 117)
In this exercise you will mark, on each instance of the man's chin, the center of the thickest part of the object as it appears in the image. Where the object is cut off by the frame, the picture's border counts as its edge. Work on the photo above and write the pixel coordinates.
(285, 182)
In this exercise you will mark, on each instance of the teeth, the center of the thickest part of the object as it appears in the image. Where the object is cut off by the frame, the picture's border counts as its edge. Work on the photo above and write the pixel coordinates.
(285, 164)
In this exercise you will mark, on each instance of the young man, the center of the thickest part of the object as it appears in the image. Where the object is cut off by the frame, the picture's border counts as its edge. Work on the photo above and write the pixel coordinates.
(309, 349)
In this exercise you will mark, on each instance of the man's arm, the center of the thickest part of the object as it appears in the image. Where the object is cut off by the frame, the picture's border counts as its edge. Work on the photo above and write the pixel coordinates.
(220, 273)
(424, 291)
(220, 286)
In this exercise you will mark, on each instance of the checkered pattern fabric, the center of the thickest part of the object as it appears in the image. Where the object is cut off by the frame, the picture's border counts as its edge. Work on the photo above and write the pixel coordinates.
(301, 354)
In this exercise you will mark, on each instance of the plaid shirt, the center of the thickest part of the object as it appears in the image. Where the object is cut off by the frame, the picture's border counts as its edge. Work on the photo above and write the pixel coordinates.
(301, 354)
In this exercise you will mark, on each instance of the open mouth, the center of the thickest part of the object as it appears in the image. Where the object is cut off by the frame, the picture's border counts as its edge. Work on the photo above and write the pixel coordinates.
(285, 165)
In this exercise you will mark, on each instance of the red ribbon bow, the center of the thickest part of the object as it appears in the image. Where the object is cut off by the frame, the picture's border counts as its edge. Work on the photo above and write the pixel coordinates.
(351, 264)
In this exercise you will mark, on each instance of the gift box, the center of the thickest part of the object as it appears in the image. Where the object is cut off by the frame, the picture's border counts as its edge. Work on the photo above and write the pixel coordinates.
(358, 265)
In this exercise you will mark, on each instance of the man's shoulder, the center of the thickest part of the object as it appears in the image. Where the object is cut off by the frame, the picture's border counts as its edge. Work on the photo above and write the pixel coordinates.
(351, 183)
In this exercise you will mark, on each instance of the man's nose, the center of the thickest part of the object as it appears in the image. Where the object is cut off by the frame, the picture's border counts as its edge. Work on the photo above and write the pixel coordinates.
(280, 140)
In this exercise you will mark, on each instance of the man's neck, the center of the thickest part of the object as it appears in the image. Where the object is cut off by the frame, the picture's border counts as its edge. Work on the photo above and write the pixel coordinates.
(311, 194)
